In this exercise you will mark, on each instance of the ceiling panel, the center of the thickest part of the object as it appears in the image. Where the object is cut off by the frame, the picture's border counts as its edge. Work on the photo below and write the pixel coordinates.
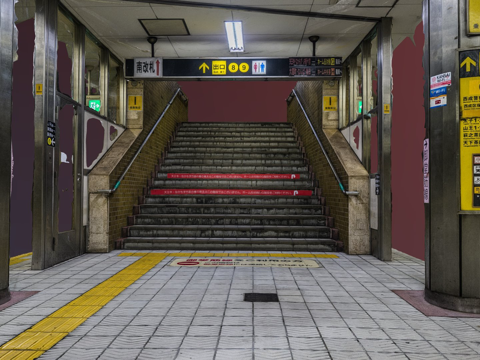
(116, 21)
(127, 48)
(200, 46)
(331, 27)
(270, 2)
(100, 3)
(389, 3)
(199, 21)
(271, 45)
(350, 10)
(261, 24)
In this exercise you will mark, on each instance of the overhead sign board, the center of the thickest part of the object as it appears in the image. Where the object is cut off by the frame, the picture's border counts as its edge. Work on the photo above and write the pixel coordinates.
(233, 67)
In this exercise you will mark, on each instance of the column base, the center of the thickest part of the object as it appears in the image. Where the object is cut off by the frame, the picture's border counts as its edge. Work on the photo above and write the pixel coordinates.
(4, 296)
(466, 305)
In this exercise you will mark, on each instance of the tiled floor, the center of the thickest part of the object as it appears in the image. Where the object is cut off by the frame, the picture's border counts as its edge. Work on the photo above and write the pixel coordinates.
(343, 310)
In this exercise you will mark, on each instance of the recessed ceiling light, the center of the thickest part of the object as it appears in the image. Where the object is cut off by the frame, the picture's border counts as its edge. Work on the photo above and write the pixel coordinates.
(234, 36)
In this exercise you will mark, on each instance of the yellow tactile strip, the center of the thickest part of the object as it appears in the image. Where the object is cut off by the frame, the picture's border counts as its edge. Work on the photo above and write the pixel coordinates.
(198, 254)
(19, 258)
(45, 334)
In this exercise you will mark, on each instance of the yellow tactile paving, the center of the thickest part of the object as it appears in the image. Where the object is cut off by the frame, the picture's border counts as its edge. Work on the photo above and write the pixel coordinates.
(201, 254)
(19, 258)
(19, 354)
(46, 333)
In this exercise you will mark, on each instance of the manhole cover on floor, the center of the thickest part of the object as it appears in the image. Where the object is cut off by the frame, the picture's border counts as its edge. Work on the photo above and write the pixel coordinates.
(258, 297)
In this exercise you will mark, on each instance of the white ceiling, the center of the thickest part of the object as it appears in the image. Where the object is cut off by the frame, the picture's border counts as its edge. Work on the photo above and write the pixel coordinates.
(115, 23)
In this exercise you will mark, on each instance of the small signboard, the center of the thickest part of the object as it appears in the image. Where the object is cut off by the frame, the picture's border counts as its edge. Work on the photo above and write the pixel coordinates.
(377, 184)
(438, 101)
(95, 105)
(386, 109)
(147, 67)
(315, 66)
(135, 102)
(469, 84)
(51, 132)
(38, 89)
(441, 80)
(473, 17)
(330, 103)
(426, 175)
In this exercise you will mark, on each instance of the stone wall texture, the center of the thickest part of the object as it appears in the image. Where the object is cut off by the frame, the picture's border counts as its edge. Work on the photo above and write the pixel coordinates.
(156, 96)
(350, 213)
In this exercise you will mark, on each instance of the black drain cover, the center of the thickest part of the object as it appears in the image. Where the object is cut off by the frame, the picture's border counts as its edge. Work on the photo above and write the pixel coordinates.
(259, 297)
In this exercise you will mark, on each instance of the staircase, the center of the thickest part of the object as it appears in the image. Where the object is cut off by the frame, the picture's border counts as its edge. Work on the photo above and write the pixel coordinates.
(233, 186)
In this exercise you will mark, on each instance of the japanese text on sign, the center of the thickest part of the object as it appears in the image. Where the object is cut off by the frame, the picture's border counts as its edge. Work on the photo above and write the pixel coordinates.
(147, 67)
(330, 103)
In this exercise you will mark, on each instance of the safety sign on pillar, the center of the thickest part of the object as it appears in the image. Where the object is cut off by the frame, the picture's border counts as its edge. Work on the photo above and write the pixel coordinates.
(469, 129)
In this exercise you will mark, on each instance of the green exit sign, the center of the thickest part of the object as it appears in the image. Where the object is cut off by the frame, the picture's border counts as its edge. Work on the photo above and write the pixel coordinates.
(94, 104)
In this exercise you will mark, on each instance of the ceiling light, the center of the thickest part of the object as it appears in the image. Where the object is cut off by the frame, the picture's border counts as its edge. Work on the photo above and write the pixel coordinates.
(234, 36)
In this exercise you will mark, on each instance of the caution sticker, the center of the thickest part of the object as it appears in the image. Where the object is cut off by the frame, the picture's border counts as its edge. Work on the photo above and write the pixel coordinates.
(232, 262)
(135, 103)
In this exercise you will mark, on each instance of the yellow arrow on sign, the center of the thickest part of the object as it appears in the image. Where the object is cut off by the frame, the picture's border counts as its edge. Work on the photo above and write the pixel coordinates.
(204, 66)
(468, 61)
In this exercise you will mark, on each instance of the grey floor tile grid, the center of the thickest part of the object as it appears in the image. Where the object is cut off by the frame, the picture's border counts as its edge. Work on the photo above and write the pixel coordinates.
(343, 310)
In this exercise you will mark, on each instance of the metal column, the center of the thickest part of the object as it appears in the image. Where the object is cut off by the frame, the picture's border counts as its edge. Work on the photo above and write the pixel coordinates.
(452, 235)
(7, 48)
(383, 250)
(366, 97)
(44, 176)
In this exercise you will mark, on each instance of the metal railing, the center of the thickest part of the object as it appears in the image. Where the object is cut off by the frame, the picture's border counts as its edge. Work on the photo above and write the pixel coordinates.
(346, 192)
(117, 184)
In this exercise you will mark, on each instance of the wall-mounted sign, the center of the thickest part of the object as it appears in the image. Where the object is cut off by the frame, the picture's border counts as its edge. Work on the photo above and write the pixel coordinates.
(38, 89)
(426, 175)
(95, 105)
(330, 103)
(473, 17)
(469, 84)
(135, 102)
(441, 80)
(51, 132)
(233, 67)
(147, 67)
(377, 184)
(386, 109)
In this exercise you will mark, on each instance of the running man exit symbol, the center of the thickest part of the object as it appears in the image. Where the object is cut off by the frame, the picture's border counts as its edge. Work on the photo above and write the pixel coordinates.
(259, 67)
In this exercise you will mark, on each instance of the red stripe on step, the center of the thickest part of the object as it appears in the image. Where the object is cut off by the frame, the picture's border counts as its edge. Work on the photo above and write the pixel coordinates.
(234, 176)
(230, 192)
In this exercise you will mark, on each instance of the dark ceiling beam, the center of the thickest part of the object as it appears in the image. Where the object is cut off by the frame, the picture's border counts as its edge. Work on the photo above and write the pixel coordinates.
(309, 14)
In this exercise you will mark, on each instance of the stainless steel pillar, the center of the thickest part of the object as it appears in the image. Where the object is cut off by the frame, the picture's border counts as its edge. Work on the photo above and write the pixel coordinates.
(452, 235)
(7, 48)
(383, 245)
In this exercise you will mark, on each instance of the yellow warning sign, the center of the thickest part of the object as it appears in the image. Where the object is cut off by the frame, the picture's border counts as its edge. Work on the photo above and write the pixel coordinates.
(135, 102)
(386, 109)
(233, 67)
(219, 67)
(470, 164)
(477, 190)
(470, 97)
(330, 103)
(473, 17)
(39, 89)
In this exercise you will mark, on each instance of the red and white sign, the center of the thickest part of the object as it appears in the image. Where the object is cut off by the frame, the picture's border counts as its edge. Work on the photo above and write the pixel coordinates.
(231, 192)
(234, 176)
(441, 80)
(148, 67)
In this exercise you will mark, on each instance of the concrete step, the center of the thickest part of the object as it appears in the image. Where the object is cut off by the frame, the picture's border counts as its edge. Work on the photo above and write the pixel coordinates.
(233, 219)
(248, 244)
(232, 209)
(232, 200)
(233, 143)
(234, 162)
(232, 184)
(237, 124)
(217, 150)
(192, 132)
(231, 231)
(163, 175)
(219, 169)
(240, 138)
(234, 156)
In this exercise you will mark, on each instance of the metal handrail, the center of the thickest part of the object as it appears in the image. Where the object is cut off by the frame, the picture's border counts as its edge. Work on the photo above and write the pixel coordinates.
(346, 192)
(117, 184)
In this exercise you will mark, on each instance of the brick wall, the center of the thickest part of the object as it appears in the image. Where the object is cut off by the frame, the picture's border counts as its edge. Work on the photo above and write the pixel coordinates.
(311, 93)
(156, 96)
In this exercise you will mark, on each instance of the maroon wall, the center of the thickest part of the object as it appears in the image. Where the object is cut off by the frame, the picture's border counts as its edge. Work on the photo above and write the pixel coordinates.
(22, 142)
(408, 132)
(237, 101)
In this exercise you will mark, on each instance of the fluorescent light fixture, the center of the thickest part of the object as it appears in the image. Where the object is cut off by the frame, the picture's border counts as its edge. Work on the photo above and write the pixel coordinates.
(234, 36)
